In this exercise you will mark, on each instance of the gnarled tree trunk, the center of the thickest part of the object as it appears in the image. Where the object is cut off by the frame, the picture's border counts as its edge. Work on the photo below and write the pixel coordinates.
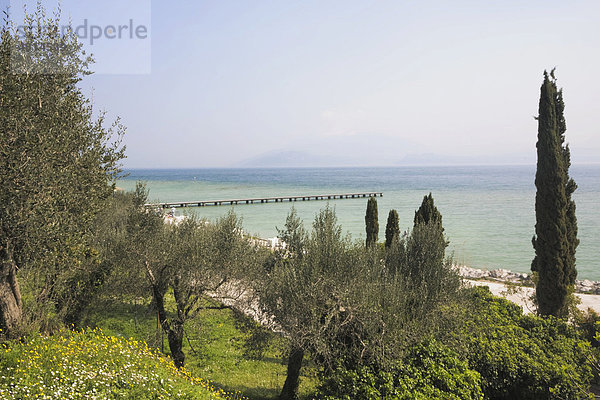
(10, 294)
(174, 330)
(290, 387)
(175, 336)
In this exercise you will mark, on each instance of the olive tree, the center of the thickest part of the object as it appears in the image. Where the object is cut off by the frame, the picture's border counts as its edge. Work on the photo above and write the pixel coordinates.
(188, 260)
(57, 161)
(303, 289)
(341, 302)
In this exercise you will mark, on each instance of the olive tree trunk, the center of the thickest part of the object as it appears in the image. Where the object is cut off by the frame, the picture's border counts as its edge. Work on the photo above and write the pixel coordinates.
(175, 337)
(10, 294)
(173, 330)
(290, 387)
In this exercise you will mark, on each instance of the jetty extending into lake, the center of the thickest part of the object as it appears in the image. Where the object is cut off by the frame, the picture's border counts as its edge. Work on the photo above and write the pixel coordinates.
(204, 203)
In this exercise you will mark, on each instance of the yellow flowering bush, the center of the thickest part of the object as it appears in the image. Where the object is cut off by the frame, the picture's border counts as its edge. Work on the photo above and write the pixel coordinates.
(87, 364)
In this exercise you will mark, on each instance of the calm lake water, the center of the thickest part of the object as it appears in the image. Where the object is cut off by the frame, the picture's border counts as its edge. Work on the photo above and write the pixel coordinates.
(488, 212)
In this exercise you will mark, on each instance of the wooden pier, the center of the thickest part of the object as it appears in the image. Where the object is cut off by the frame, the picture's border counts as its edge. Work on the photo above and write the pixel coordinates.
(204, 203)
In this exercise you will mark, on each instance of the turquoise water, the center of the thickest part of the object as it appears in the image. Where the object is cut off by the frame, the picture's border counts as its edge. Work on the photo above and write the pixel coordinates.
(488, 212)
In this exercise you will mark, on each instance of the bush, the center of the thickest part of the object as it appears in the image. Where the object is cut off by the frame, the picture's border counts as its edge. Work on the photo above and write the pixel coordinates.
(523, 356)
(588, 324)
(430, 371)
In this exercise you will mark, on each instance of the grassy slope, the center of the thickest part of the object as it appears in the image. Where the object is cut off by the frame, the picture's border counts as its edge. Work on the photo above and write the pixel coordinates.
(88, 364)
(219, 347)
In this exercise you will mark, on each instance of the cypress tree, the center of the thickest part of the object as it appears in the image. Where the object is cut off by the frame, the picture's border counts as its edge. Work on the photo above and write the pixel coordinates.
(555, 240)
(392, 228)
(371, 221)
(428, 212)
(573, 242)
(426, 245)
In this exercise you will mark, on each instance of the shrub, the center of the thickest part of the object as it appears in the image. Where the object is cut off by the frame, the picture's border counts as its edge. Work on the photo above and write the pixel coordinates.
(523, 356)
(430, 371)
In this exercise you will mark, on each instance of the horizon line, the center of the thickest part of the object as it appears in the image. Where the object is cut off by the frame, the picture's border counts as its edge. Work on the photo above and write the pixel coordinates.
(353, 166)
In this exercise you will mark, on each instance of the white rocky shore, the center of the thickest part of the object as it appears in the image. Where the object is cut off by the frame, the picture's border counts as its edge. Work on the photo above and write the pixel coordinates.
(519, 278)
(517, 287)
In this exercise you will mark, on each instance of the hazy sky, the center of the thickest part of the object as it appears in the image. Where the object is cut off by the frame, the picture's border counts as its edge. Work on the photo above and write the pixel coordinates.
(359, 82)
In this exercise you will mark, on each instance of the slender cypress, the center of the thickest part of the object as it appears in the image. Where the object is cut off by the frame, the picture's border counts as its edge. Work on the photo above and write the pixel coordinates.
(371, 222)
(428, 212)
(427, 230)
(392, 228)
(571, 186)
(573, 241)
(555, 239)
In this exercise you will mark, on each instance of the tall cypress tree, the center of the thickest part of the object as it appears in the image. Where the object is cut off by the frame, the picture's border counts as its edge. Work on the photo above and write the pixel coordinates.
(570, 269)
(371, 221)
(573, 242)
(427, 243)
(556, 240)
(428, 212)
(392, 228)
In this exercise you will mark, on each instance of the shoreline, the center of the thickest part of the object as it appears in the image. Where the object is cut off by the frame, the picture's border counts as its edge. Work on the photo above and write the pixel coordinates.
(514, 286)
(523, 295)
(501, 275)
(518, 287)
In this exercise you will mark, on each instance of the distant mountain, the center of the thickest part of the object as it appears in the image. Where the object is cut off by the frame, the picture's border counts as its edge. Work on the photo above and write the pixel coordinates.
(426, 159)
(290, 158)
(370, 150)
(335, 151)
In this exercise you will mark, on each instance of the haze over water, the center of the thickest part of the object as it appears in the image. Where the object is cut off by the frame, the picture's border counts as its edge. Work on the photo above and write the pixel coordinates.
(488, 212)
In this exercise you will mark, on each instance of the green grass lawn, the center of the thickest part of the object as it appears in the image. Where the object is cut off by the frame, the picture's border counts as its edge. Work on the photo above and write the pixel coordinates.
(222, 346)
(88, 364)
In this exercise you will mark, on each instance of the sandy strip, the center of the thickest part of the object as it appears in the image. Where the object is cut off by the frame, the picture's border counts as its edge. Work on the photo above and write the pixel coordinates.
(520, 295)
